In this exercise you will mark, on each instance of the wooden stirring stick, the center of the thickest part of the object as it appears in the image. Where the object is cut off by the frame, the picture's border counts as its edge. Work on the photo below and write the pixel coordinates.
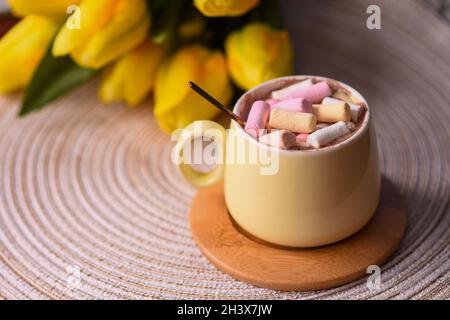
(216, 103)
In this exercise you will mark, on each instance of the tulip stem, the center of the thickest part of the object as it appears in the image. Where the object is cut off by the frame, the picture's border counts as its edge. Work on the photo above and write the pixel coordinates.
(216, 103)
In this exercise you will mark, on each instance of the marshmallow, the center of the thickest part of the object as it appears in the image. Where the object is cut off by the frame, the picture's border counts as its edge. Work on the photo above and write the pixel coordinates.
(257, 118)
(355, 109)
(294, 105)
(351, 126)
(315, 94)
(282, 139)
(302, 145)
(300, 142)
(302, 137)
(322, 125)
(285, 92)
(341, 94)
(332, 112)
(299, 122)
(272, 102)
(326, 135)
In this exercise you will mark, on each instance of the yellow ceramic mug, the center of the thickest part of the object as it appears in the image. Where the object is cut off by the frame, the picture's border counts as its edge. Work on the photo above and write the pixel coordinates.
(317, 197)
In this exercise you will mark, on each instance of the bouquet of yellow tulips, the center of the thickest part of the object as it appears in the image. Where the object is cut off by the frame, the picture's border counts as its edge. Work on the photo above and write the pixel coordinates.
(143, 46)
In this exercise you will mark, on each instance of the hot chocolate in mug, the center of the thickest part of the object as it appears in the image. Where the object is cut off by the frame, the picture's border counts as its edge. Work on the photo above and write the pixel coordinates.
(313, 198)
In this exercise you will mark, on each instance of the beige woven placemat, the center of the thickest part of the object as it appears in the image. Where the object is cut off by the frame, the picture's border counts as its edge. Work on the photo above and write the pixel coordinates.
(92, 207)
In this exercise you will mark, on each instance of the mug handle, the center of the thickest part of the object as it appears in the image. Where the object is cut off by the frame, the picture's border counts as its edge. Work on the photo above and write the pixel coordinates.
(199, 129)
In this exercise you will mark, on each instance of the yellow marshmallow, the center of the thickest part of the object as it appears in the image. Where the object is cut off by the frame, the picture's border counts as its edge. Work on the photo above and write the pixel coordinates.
(332, 112)
(299, 122)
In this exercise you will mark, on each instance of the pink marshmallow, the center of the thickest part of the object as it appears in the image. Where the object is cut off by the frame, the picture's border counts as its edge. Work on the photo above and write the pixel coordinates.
(301, 137)
(294, 105)
(315, 94)
(272, 101)
(257, 118)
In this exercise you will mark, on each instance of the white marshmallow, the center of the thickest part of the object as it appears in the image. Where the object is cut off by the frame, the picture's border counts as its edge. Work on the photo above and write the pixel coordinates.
(324, 136)
(282, 139)
(285, 92)
(355, 109)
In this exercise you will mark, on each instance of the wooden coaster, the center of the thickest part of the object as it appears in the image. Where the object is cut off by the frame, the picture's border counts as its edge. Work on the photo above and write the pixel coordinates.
(250, 260)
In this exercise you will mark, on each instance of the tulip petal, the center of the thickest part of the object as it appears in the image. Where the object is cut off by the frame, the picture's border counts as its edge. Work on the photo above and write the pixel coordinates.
(132, 77)
(21, 49)
(142, 66)
(111, 87)
(258, 53)
(220, 8)
(126, 30)
(56, 9)
(95, 14)
(176, 105)
(280, 67)
(185, 64)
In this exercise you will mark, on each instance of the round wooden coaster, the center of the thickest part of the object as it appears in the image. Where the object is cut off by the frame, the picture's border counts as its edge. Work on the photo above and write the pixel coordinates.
(264, 265)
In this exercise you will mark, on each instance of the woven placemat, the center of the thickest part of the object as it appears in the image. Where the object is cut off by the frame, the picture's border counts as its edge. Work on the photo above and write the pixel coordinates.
(92, 207)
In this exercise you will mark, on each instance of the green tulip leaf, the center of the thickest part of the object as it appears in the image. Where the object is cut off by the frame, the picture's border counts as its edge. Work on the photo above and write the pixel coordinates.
(54, 77)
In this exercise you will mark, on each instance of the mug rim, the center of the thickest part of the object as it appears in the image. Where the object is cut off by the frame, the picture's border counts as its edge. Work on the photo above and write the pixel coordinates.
(315, 152)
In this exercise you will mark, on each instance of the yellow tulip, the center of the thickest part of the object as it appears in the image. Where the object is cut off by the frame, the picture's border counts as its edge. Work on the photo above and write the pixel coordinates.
(108, 30)
(132, 77)
(21, 49)
(176, 105)
(48, 8)
(258, 53)
(220, 8)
